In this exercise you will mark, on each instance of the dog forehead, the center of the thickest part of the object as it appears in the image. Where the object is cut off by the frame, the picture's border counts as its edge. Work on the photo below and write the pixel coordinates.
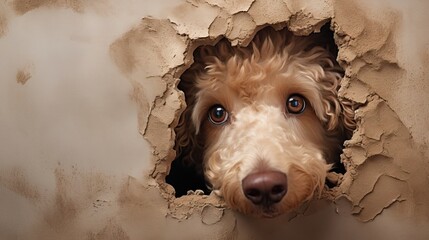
(249, 92)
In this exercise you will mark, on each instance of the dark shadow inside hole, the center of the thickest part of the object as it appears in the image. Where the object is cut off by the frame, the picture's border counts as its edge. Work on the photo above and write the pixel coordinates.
(185, 177)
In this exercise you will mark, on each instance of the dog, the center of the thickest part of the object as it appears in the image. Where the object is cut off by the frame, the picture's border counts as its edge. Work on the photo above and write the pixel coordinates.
(264, 122)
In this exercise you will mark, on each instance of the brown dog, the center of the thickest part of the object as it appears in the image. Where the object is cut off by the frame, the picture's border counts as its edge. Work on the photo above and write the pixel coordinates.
(265, 120)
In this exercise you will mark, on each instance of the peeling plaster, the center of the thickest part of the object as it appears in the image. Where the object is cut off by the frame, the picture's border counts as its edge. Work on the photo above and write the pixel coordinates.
(211, 215)
(277, 11)
(232, 6)
(386, 159)
(146, 61)
(368, 53)
(381, 149)
(366, 50)
(184, 17)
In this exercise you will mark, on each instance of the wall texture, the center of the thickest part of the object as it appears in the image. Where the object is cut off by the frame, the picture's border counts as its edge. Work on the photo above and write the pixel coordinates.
(88, 101)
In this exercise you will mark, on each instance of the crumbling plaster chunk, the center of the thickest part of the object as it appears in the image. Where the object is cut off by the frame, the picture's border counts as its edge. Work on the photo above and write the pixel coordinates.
(242, 29)
(150, 49)
(221, 25)
(232, 6)
(320, 9)
(356, 90)
(184, 19)
(211, 215)
(269, 11)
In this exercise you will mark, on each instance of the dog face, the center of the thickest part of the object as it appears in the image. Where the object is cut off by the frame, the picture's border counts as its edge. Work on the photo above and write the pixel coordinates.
(265, 120)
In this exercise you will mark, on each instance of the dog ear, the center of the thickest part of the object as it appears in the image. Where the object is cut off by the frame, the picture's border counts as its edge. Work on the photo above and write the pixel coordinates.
(188, 147)
(339, 111)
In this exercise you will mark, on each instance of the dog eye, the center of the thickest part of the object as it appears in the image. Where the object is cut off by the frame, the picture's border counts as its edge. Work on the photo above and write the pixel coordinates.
(218, 115)
(295, 104)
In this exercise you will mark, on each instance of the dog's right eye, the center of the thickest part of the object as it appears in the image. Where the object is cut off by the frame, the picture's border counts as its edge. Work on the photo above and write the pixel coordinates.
(218, 115)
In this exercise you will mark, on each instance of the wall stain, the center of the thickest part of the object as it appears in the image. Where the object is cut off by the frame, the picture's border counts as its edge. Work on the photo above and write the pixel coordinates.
(111, 231)
(3, 24)
(23, 6)
(74, 193)
(22, 76)
(64, 208)
(15, 180)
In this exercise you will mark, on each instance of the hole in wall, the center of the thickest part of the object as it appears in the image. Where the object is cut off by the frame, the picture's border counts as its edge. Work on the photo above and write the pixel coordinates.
(186, 172)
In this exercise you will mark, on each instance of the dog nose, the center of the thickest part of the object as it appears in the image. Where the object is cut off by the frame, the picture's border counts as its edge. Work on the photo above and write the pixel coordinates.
(265, 188)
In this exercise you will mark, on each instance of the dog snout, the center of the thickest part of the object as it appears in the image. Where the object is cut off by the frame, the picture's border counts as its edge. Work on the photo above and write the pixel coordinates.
(265, 188)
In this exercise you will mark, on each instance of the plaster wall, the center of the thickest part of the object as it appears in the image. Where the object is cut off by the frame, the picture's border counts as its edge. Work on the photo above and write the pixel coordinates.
(88, 103)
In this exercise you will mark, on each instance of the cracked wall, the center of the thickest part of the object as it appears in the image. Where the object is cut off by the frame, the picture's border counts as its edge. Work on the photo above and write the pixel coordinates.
(89, 103)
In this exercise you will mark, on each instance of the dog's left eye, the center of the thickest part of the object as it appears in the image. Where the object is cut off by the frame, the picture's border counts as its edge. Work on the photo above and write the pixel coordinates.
(295, 104)
(218, 115)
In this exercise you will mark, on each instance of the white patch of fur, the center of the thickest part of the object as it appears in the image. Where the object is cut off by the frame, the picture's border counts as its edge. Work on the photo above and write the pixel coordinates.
(262, 138)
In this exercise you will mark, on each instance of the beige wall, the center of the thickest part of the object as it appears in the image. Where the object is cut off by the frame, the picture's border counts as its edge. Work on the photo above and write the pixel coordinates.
(87, 96)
